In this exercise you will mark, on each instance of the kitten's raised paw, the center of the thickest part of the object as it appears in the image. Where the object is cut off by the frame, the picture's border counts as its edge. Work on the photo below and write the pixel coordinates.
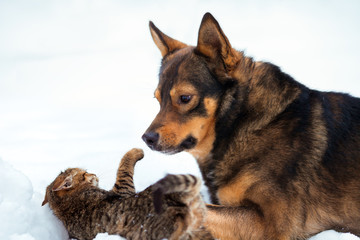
(135, 154)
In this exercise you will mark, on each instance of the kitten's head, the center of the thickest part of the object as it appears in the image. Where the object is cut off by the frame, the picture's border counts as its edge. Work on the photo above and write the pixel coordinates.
(67, 182)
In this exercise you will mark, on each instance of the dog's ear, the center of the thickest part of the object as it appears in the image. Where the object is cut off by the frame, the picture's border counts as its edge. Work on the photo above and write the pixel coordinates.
(165, 43)
(213, 43)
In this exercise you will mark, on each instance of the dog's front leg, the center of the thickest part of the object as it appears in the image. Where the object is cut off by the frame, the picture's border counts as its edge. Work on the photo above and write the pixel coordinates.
(228, 223)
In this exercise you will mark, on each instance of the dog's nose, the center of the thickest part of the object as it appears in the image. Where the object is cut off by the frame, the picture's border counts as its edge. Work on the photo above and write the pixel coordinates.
(151, 139)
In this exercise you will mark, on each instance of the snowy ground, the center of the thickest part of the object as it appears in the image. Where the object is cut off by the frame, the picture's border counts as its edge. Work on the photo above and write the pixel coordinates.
(77, 80)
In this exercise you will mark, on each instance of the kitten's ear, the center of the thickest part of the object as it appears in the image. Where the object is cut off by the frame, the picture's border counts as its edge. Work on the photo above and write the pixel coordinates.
(45, 200)
(61, 185)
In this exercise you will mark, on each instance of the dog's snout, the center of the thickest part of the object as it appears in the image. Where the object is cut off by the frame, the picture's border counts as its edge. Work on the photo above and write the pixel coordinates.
(151, 139)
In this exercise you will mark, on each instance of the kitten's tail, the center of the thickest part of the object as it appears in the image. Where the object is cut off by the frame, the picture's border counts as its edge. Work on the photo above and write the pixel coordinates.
(188, 185)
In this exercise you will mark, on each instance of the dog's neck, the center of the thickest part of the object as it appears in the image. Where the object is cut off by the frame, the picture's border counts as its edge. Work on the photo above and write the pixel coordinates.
(258, 95)
(249, 104)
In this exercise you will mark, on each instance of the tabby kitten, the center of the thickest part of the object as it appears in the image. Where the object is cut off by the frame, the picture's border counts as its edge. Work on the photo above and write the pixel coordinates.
(171, 208)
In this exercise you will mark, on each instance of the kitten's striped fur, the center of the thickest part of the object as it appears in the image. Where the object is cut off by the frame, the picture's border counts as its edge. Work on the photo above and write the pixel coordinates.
(87, 210)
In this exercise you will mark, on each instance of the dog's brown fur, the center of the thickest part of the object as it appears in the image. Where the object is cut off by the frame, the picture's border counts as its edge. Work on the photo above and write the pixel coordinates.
(281, 161)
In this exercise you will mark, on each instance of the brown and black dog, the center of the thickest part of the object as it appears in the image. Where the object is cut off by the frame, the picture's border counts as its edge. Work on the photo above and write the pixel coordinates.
(281, 161)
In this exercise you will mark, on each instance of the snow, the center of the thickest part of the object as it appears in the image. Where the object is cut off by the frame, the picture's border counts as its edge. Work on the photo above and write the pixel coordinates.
(77, 79)
(25, 218)
(105, 236)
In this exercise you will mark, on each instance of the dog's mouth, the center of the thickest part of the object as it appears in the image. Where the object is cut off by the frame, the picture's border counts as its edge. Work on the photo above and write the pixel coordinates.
(153, 141)
(188, 143)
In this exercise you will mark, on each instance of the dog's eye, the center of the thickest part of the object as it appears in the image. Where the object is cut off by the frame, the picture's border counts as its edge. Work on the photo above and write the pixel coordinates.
(185, 99)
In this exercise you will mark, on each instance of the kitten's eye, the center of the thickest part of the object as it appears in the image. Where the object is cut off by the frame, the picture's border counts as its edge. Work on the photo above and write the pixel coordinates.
(184, 99)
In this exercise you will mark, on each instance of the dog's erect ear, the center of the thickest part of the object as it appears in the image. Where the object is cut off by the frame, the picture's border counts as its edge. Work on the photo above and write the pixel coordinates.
(165, 43)
(213, 43)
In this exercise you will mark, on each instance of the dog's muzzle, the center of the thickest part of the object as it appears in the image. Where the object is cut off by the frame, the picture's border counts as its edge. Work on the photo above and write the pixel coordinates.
(152, 140)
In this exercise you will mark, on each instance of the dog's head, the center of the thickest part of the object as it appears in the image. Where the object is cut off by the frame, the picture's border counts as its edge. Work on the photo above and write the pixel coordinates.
(192, 80)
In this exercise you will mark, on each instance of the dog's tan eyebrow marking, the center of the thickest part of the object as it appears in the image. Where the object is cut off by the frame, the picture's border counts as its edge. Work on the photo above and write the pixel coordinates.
(183, 89)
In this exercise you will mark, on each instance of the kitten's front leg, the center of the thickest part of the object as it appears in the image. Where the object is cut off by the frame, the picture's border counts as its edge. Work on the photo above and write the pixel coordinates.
(124, 184)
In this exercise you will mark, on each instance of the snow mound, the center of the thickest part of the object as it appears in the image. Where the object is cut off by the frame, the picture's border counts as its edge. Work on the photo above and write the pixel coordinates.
(25, 218)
